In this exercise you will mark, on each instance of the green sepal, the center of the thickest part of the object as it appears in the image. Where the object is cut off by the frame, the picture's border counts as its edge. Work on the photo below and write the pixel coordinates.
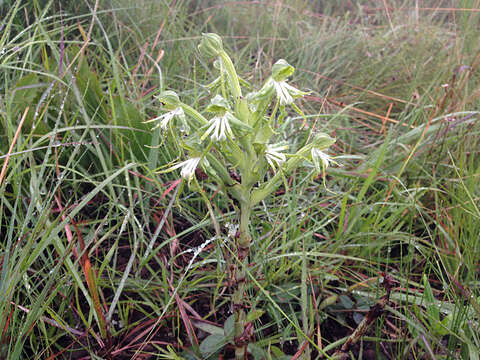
(218, 105)
(281, 70)
(169, 99)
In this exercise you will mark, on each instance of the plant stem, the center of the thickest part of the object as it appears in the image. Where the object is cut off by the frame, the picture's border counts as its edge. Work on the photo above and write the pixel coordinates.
(243, 245)
(245, 238)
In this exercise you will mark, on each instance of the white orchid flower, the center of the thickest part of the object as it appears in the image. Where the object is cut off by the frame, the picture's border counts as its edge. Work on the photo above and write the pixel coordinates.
(219, 128)
(188, 167)
(286, 93)
(320, 160)
(274, 156)
(167, 117)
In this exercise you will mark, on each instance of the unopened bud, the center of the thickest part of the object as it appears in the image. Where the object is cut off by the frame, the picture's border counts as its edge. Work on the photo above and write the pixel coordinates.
(211, 45)
(217, 105)
(281, 70)
(169, 99)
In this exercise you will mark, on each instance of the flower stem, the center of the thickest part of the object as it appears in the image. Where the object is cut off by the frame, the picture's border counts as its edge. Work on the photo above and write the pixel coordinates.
(199, 118)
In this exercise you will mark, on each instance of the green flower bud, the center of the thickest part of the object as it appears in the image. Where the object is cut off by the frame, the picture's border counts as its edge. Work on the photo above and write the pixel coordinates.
(211, 45)
(169, 99)
(281, 70)
(217, 105)
(322, 141)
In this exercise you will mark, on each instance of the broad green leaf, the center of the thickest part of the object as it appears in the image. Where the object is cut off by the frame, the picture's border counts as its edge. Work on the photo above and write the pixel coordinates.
(229, 327)
(211, 344)
(346, 301)
(208, 328)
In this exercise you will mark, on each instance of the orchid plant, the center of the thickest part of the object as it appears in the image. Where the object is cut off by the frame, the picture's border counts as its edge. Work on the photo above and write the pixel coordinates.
(236, 133)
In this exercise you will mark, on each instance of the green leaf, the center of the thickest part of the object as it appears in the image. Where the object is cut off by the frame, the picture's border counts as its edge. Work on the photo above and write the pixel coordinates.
(264, 134)
(323, 141)
(208, 328)
(25, 93)
(211, 344)
(139, 133)
(90, 87)
(441, 328)
(229, 327)
(254, 314)
(242, 111)
(346, 302)
(264, 94)
(239, 124)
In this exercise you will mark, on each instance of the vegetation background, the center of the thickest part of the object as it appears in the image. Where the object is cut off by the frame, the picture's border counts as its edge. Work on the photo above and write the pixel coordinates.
(99, 261)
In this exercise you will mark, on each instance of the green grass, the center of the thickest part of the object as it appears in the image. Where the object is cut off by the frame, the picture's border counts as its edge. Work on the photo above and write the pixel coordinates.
(80, 184)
